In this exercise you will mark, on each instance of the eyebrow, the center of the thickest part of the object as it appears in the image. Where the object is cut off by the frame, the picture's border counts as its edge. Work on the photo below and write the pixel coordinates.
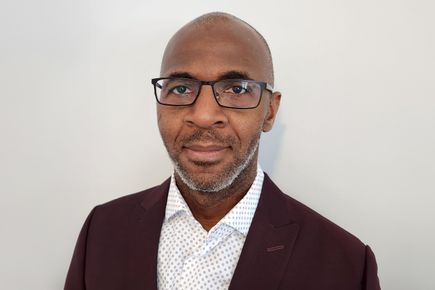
(224, 76)
(184, 75)
(234, 75)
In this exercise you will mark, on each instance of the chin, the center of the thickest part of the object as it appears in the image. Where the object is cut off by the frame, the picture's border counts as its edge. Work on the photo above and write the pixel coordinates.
(205, 182)
(213, 179)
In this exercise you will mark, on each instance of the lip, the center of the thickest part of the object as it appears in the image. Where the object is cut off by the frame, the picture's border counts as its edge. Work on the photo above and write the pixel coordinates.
(206, 152)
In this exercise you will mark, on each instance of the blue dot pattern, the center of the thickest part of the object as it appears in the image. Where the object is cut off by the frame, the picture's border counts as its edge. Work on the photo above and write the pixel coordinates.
(189, 257)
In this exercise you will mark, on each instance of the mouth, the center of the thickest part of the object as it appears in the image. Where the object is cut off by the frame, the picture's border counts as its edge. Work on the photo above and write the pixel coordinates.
(210, 153)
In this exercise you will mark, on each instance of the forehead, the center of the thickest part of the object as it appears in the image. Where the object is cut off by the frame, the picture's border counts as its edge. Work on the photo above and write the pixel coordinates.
(209, 51)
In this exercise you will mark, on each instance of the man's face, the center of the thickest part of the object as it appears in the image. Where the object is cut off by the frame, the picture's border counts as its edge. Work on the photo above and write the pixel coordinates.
(211, 145)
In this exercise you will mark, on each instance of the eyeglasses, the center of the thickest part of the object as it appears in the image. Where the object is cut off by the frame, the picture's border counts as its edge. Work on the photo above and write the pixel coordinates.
(229, 93)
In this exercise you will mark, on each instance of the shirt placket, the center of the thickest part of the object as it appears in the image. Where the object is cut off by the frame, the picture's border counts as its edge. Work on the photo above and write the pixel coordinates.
(186, 278)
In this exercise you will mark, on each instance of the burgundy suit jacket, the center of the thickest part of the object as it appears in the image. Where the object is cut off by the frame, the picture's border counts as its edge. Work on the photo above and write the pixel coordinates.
(288, 246)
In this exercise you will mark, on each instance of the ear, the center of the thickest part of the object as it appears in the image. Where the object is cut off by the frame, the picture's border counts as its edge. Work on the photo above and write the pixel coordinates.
(273, 107)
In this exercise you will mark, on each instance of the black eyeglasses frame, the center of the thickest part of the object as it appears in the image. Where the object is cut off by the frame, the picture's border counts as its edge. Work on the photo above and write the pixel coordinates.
(263, 85)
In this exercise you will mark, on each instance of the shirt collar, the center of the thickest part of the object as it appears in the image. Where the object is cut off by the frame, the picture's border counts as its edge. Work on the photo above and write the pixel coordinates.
(176, 202)
(239, 217)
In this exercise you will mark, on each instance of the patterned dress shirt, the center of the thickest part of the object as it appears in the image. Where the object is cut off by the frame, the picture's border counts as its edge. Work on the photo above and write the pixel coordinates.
(189, 257)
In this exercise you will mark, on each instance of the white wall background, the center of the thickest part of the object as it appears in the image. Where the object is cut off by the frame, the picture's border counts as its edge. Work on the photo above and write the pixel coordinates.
(355, 137)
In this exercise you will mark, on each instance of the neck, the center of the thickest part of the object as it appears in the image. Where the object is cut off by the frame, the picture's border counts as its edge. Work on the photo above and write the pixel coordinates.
(209, 208)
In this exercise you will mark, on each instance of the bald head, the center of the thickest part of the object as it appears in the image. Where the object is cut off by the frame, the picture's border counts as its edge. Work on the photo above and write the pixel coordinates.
(215, 36)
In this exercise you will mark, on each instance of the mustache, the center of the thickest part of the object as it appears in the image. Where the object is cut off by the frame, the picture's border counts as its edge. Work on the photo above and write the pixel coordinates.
(207, 136)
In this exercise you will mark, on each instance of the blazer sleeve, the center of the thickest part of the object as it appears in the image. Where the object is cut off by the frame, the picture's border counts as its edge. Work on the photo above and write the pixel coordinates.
(370, 279)
(75, 279)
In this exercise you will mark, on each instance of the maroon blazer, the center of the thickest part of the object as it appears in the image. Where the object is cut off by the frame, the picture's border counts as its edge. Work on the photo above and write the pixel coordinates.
(289, 246)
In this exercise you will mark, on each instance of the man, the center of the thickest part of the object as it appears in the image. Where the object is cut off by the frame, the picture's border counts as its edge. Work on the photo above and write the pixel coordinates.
(219, 222)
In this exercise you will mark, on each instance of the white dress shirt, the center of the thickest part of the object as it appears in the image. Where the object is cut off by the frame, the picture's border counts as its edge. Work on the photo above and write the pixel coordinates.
(189, 257)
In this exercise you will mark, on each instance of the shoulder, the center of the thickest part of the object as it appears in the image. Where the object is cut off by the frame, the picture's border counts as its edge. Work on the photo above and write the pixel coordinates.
(132, 204)
(323, 254)
(313, 227)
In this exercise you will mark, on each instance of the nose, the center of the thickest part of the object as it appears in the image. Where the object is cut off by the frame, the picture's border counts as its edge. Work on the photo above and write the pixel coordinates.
(205, 112)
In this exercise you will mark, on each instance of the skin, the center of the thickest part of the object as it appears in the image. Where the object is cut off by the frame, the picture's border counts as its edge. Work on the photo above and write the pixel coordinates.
(212, 52)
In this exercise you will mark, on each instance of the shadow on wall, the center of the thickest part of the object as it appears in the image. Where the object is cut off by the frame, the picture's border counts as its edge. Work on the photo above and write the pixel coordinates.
(271, 146)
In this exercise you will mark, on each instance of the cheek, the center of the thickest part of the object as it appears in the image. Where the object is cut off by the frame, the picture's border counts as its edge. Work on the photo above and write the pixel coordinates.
(168, 124)
(247, 129)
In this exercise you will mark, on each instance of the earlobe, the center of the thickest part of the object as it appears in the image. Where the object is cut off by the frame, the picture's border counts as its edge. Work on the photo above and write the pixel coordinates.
(273, 107)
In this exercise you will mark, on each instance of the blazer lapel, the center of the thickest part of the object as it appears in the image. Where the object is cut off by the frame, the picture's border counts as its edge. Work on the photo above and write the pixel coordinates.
(269, 243)
(150, 216)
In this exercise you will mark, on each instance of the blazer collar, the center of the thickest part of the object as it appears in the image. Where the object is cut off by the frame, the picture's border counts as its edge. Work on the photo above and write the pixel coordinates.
(269, 243)
(151, 218)
(156, 196)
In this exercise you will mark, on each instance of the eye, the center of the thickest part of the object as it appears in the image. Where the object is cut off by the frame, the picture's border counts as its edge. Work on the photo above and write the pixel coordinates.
(181, 90)
(239, 89)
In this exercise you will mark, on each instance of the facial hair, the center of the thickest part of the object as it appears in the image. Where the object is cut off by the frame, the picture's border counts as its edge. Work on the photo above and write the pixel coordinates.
(224, 179)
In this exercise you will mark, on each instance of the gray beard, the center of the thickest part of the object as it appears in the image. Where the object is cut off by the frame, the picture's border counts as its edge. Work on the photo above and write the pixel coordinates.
(224, 180)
